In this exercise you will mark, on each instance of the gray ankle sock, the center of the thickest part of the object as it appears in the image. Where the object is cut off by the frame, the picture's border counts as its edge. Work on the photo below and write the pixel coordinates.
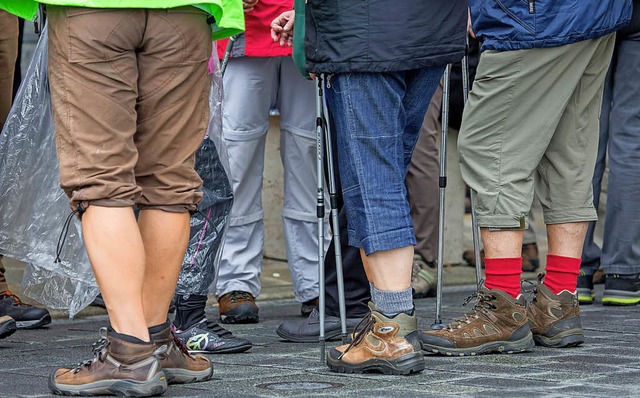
(393, 302)
(372, 291)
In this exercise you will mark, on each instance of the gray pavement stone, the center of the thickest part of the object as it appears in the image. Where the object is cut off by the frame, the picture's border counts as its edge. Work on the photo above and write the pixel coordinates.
(608, 364)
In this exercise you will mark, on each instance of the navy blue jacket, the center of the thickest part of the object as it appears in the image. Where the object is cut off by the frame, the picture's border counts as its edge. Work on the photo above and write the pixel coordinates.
(383, 35)
(506, 25)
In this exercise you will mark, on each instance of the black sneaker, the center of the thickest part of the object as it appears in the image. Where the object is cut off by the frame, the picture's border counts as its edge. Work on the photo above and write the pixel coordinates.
(586, 294)
(25, 315)
(208, 337)
(621, 291)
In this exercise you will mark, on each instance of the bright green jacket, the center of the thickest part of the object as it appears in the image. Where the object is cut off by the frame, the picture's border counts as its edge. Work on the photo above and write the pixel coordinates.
(227, 13)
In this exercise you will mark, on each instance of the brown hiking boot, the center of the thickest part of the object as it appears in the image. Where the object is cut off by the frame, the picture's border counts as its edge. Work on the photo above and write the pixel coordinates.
(497, 323)
(179, 366)
(238, 307)
(555, 318)
(423, 278)
(118, 367)
(382, 345)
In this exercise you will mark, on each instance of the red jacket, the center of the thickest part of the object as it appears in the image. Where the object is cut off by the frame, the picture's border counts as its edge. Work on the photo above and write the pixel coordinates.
(257, 40)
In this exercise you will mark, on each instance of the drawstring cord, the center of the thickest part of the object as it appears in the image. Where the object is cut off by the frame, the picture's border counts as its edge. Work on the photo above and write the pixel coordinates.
(65, 231)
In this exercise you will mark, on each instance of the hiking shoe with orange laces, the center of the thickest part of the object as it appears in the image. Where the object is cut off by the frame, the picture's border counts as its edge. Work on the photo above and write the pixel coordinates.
(497, 324)
(381, 345)
(238, 307)
(119, 367)
(26, 316)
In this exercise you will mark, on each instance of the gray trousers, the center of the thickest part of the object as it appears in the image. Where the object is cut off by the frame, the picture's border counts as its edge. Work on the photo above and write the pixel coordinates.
(620, 136)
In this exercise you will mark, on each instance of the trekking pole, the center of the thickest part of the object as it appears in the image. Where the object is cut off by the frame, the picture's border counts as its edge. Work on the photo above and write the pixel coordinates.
(472, 194)
(442, 184)
(333, 202)
(320, 212)
(227, 54)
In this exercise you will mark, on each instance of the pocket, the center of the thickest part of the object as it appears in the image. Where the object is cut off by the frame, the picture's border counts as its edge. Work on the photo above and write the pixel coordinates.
(530, 5)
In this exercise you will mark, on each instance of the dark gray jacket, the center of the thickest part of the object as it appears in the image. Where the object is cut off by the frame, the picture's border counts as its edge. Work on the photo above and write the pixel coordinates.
(383, 35)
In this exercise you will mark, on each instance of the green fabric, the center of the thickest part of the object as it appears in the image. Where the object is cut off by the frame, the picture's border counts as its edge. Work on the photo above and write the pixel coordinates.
(228, 13)
(299, 57)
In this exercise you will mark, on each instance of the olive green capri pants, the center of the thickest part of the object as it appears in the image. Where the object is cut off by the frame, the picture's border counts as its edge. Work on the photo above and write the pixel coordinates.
(531, 125)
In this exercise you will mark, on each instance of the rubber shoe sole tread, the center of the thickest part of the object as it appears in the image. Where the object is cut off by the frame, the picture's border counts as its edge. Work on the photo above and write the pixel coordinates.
(495, 347)
(122, 388)
(404, 365)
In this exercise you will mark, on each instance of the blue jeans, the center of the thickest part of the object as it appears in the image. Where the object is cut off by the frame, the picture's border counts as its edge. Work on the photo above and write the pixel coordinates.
(620, 135)
(377, 118)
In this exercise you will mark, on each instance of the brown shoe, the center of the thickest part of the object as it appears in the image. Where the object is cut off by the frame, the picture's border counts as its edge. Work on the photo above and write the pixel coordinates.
(179, 366)
(470, 257)
(119, 367)
(555, 318)
(7, 326)
(530, 261)
(497, 323)
(423, 278)
(238, 307)
(383, 345)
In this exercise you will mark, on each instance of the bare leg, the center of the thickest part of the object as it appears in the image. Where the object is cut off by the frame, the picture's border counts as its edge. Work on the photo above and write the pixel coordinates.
(165, 236)
(567, 239)
(390, 269)
(502, 244)
(117, 257)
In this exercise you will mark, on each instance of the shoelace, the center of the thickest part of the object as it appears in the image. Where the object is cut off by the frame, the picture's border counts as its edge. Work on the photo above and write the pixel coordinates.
(361, 330)
(533, 293)
(99, 349)
(483, 306)
(217, 329)
(16, 302)
(237, 295)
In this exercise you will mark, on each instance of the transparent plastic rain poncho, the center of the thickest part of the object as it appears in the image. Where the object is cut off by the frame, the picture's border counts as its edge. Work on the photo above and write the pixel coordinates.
(33, 207)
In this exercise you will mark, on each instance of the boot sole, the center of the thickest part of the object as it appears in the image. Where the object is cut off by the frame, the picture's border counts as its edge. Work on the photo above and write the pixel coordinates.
(620, 297)
(121, 388)
(234, 319)
(328, 335)
(45, 320)
(495, 347)
(404, 365)
(566, 339)
(184, 376)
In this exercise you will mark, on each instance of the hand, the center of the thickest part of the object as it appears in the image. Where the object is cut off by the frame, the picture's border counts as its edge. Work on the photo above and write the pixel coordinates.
(282, 28)
(248, 5)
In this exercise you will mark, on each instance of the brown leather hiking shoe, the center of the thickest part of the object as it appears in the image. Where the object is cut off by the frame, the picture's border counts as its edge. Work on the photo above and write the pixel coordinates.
(118, 367)
(383, 345)
(423, 278)
(238, 307)
(497, 323)
(555, 318)
(179, 366)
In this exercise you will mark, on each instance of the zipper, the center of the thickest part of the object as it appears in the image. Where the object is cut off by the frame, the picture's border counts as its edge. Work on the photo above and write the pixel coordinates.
(532, 6)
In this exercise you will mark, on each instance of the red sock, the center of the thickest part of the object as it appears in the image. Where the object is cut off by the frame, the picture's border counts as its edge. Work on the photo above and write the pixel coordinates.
(503, 274)
(562, 273)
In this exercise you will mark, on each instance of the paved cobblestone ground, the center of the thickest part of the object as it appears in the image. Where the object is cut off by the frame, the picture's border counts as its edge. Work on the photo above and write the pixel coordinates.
(607, 365)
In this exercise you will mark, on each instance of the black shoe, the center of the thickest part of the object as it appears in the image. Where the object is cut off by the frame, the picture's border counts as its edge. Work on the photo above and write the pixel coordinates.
(586, 294)
(7, 326)
(208, 337)
(621, 291)
(308, 330)
(25, 315)
(308, 306)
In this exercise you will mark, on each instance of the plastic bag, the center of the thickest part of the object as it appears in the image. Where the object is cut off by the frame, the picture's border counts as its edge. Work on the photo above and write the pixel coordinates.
(33, 207)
